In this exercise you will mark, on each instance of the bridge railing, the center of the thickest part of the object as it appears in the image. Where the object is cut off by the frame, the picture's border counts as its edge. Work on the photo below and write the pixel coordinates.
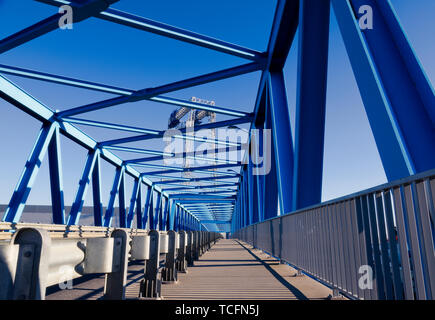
(376, 244)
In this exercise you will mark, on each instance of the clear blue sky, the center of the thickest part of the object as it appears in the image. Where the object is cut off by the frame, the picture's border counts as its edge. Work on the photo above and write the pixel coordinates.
(100, 51)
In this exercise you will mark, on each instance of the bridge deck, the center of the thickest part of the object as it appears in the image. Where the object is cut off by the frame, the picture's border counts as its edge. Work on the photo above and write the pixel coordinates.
(230, 270)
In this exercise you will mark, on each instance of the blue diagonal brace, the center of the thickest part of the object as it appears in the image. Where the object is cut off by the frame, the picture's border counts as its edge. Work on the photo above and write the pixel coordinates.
(56, 180)
(96, 192)
(21, 193)
(76, 208)
(110, 206)
(133, 201)
(282, 139)
(398, 97)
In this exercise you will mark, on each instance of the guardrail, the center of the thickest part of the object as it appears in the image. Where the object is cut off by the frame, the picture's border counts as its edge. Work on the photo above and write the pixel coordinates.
(376, 244)
(34, 257)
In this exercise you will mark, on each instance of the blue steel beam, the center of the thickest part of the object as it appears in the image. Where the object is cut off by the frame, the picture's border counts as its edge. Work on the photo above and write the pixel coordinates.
(139, 210)
(146, 209)
(157, 201)
(398, 97)
(226, 192)
(197, 158)
(191, 169)
(172, 216)
(77, 206)
(284, 28)
(311, 102)
(96, 190)
(283, 145)
(166, 30)
(270, 187)
(204, 201)
(32, 74)
(199, 197)
(175, 86)
(160, 155)
(82, 11)
(151, 134)
(225, 186)
(133, 201)
(215, 221)
(119, 176)
(177, 180)
(21, 193)
(160, 134)
(56, 178)
(121, 201)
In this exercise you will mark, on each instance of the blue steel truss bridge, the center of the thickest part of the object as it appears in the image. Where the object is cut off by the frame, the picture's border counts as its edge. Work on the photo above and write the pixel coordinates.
(240, 232)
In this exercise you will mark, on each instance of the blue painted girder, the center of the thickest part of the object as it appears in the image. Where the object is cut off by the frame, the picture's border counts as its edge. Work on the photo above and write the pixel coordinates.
(81, 11)
(161, 133)
(152, 26)
(311, 103)
(398, 97)
(152, 92)
(31, 74)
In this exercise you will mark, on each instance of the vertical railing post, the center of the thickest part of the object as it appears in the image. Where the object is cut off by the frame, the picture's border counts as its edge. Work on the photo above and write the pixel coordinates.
(169, 272)
(151, 284)
(32, 264)
(115, 282)
(189, 248)
(181, 256)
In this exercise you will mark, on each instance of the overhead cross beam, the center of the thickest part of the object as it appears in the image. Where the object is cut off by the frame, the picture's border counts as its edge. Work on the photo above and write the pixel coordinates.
(82, 11)
(162, 29)
(36, 75)
(159, 134)
(152, 92)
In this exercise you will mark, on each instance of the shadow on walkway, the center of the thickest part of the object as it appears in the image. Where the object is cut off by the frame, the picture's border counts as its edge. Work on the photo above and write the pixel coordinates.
(297, 293)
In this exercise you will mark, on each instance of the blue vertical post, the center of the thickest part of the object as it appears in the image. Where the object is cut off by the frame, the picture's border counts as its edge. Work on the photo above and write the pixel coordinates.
(151, 223)
(76, 208)
(270, 186)
(282, 139)
(56, 181)
(172, 215)
(21, 193)
(96, 191)
(139, 210)
(113, 193)
(121, 202)
(147, 208)
(250, 189)
(157, 211)
(133, 202)
(259, 178)
(165, 214)
(311, 102)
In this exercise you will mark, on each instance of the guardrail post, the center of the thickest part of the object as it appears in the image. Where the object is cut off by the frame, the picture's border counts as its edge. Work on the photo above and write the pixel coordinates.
(151, 284)
(181, 256)
(189, 247)
(8, 266)
(196, 245)
(169, 272)
(114, 286)
(32, 264)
